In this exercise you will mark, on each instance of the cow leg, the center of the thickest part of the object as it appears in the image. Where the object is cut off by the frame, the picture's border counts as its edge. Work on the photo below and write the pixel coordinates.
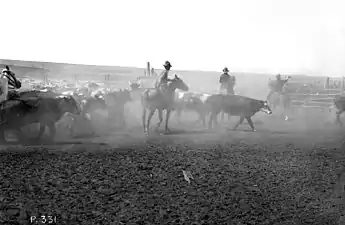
(338, 121)
(178, 114)
(212, 119)
(151, 113)
(239, 122)
(52, 130)
(160, 118)
(250, 122)
(2, 134)
(41, 131)
(122, 116)
(143, 119)
(203, 119)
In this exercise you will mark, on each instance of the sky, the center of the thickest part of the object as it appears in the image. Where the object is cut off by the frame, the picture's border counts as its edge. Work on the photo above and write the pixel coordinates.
(274, 36)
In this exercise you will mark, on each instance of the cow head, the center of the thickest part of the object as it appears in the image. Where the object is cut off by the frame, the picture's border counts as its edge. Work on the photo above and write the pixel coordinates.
(69, 104)
(265, 108)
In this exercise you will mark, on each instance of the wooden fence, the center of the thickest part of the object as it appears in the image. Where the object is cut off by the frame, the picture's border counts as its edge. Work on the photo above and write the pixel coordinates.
(316, 97)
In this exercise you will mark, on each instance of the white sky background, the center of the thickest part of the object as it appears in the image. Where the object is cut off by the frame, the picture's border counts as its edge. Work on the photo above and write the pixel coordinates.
(245, 35)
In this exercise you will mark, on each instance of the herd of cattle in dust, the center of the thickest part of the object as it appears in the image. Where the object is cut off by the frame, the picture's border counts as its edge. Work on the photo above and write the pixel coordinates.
(66, 106)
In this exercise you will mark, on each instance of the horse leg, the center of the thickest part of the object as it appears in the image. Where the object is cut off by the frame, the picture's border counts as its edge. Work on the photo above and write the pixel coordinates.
(143, 119)
(151, 112)
(239, 122)
(167, 120)
(160, 117)
(269, 95)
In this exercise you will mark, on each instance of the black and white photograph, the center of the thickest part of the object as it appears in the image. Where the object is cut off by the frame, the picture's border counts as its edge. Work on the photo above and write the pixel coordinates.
(156, 112)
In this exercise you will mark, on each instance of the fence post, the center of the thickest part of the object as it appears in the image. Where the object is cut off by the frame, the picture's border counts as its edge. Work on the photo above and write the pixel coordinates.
(45, 78)
(106, 80)
(148, 69)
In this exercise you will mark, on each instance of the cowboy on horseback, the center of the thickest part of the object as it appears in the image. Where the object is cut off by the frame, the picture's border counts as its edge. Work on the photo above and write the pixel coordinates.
(9, 77)
(227, 82)
(278, 87)
(163, 79)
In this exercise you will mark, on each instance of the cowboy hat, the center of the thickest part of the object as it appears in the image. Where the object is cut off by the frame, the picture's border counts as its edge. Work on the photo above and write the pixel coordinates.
(167, 64)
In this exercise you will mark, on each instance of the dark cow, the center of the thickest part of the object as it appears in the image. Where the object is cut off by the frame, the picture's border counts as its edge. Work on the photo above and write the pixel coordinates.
(339, 103)
(192, 101)
(45, 111)
(236, 105)
(116, 102)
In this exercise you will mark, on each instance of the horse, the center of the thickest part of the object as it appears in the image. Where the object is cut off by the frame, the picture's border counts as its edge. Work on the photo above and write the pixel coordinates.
(160, 99)
(276, 86)
(278, 95)
(16, 113)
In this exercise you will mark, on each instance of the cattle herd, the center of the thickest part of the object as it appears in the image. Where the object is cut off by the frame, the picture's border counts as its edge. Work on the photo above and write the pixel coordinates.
(47, 104)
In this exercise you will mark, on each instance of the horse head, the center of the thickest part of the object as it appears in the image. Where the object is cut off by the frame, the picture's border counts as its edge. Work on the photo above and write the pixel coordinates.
(178, 83)
(11, 76)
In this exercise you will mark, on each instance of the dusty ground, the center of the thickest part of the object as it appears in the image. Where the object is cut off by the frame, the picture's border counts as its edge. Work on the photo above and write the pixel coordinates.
(282, 174)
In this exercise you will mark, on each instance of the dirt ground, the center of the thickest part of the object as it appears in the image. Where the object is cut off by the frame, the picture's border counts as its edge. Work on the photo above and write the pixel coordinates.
(285, 173)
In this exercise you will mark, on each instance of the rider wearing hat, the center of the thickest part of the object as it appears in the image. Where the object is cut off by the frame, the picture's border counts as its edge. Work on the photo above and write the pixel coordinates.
(13, 83)
(225, 79)
(278, 86)
(163, 77)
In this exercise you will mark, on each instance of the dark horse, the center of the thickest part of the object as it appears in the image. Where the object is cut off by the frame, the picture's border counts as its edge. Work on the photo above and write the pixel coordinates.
(153, 99)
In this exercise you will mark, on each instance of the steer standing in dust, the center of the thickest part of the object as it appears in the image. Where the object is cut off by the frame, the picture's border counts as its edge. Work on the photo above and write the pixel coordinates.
(237, 106)
(160, 98)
